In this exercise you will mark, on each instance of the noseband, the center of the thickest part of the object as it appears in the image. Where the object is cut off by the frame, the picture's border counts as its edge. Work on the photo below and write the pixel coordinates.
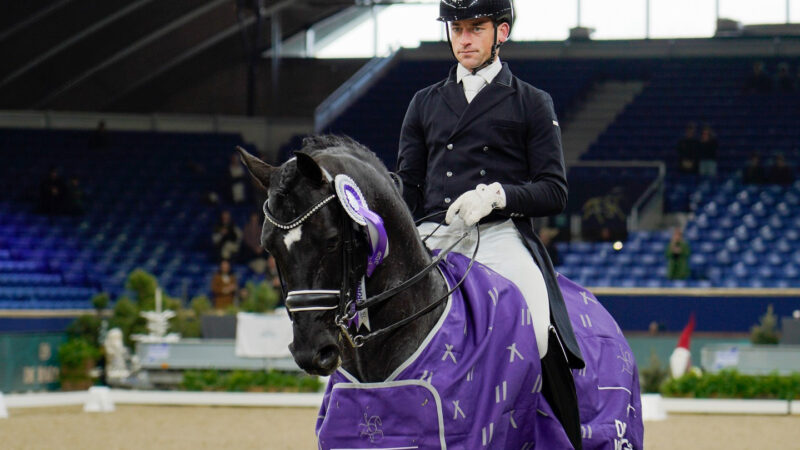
(350, 300)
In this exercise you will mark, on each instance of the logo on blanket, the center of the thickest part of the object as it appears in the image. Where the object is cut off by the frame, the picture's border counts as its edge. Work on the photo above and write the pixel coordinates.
(627, 360)
(371, 428)
(621, 442)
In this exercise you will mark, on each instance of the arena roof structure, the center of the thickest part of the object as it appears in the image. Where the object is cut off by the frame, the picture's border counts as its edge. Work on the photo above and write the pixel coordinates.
(117, 55)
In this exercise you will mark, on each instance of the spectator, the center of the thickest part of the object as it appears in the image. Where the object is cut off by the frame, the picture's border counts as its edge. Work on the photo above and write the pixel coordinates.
(707, 152)
(677, 254)
(784, 81)
(781, 173)
(224, 286)
(759, 81)
(688, 148)
(227, 237)
(252, 252)
(99, 138)
(237, 178)
(754, 172)
(75, 198)
(52, 193)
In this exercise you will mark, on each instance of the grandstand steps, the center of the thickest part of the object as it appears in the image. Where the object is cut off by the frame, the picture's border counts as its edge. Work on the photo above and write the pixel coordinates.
(601, 108)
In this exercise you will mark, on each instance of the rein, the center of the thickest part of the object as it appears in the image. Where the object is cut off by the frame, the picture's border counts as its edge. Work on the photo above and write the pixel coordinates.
(343, 300)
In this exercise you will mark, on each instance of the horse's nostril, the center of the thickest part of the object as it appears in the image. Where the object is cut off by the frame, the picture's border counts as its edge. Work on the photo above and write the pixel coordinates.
(327, 358)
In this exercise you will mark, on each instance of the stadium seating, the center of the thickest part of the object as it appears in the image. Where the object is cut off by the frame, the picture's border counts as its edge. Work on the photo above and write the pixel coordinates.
(678, 91)
(146, 190)
(740, 236)
(146, 209)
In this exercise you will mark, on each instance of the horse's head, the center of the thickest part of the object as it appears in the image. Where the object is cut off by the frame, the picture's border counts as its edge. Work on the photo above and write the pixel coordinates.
(307, 230)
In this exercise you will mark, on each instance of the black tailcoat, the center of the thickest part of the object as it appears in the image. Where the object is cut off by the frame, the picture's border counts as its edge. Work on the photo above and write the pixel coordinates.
(509, 134)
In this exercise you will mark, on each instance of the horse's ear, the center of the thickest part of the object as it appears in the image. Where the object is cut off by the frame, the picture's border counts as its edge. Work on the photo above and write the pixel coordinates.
(260, 170)
(309, 168)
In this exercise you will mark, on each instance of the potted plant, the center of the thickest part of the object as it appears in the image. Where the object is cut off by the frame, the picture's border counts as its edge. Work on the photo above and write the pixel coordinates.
(77, 358)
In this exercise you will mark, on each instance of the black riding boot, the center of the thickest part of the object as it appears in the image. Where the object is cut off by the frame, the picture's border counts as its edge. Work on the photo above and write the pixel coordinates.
(558, 388)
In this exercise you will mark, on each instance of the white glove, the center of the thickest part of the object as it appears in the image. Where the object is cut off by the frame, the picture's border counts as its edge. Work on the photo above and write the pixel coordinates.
(474, 205)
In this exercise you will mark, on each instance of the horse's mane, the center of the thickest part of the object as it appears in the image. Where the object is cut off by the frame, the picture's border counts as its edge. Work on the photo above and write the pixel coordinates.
(332, 144)
(342, 148)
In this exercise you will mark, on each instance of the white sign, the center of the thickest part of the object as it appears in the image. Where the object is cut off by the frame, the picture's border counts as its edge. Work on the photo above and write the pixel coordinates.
(157, 352)
(263, 335)
(726, 358)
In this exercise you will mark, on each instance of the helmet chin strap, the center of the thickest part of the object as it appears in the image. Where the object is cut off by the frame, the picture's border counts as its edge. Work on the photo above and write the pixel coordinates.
(491, 58)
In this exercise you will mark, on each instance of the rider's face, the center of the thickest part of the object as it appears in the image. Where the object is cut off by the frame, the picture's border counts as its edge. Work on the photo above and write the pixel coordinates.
(472, 40)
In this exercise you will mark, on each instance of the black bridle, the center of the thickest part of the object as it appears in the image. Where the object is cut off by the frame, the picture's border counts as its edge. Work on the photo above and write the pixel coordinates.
(343, 300)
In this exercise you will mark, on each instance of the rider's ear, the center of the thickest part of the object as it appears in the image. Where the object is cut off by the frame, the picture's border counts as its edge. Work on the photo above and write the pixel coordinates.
(260, 170)
(309, 168)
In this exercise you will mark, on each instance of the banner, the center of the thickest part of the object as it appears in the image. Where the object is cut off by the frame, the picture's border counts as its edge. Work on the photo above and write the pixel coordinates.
(263, 335)
(29, 362)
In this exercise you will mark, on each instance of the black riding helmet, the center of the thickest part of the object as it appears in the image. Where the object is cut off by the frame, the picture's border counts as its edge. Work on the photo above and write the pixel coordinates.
(500, 11)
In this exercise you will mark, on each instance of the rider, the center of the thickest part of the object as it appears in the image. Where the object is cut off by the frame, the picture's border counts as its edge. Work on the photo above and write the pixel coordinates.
(486, 147)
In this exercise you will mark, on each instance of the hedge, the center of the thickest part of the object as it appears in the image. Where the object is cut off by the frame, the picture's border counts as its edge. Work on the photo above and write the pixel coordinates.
(248, 381)
(732, 384)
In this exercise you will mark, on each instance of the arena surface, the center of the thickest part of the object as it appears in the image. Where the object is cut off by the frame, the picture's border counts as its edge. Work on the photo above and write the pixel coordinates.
(166, 427)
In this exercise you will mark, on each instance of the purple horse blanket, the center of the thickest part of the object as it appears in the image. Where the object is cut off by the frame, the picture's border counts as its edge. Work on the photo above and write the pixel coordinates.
(476, 381)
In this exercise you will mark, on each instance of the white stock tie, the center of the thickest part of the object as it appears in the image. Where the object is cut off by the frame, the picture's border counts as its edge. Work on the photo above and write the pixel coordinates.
(472, 85)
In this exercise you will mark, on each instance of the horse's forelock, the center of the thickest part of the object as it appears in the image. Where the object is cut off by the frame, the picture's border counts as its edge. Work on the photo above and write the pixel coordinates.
(286, 179)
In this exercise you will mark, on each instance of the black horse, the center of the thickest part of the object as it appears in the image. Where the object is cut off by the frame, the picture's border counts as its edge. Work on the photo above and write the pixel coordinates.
(324, 251)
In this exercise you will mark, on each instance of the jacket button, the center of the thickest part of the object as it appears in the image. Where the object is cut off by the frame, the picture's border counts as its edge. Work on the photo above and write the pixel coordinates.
(485, 149)
(449, 146)
(483, 173)
(449, 174)
(447, 200)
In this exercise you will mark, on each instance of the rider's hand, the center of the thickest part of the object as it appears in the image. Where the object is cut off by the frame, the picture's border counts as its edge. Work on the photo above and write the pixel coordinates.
(474, 205)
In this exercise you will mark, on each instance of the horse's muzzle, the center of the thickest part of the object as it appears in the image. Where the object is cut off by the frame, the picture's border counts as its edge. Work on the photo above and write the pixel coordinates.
(317, 362)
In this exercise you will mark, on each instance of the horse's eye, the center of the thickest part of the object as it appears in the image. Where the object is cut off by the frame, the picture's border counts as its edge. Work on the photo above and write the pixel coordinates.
(332, 243)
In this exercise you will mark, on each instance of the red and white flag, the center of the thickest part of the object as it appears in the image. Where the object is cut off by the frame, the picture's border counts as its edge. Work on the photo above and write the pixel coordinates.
(681, 357)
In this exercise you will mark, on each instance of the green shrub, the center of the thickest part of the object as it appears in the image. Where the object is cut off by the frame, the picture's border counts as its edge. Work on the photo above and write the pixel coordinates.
(200, 305)
(238, 381)
(186, 324)
(262, 298)
(86, 327)
(144, 286)
(766, 332)
(732, 384)
(100, 301)
(244, 380)
(654, 375)
(192, 381)
(126, 317)
(74, 353)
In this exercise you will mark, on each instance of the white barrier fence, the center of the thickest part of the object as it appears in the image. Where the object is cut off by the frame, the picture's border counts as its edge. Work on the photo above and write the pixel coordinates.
(103, 399)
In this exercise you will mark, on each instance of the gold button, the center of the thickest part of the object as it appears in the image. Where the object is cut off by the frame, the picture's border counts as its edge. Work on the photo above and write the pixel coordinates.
(449, 146)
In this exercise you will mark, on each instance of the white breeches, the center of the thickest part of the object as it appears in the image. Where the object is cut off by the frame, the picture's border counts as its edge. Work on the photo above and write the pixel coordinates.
(503, 250)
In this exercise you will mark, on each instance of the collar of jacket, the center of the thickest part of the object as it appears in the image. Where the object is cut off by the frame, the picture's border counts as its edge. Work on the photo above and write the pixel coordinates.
(453, 95)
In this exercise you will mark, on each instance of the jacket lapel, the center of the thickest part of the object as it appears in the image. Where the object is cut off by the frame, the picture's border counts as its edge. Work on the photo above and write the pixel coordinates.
(488, 97)
(453, 94)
